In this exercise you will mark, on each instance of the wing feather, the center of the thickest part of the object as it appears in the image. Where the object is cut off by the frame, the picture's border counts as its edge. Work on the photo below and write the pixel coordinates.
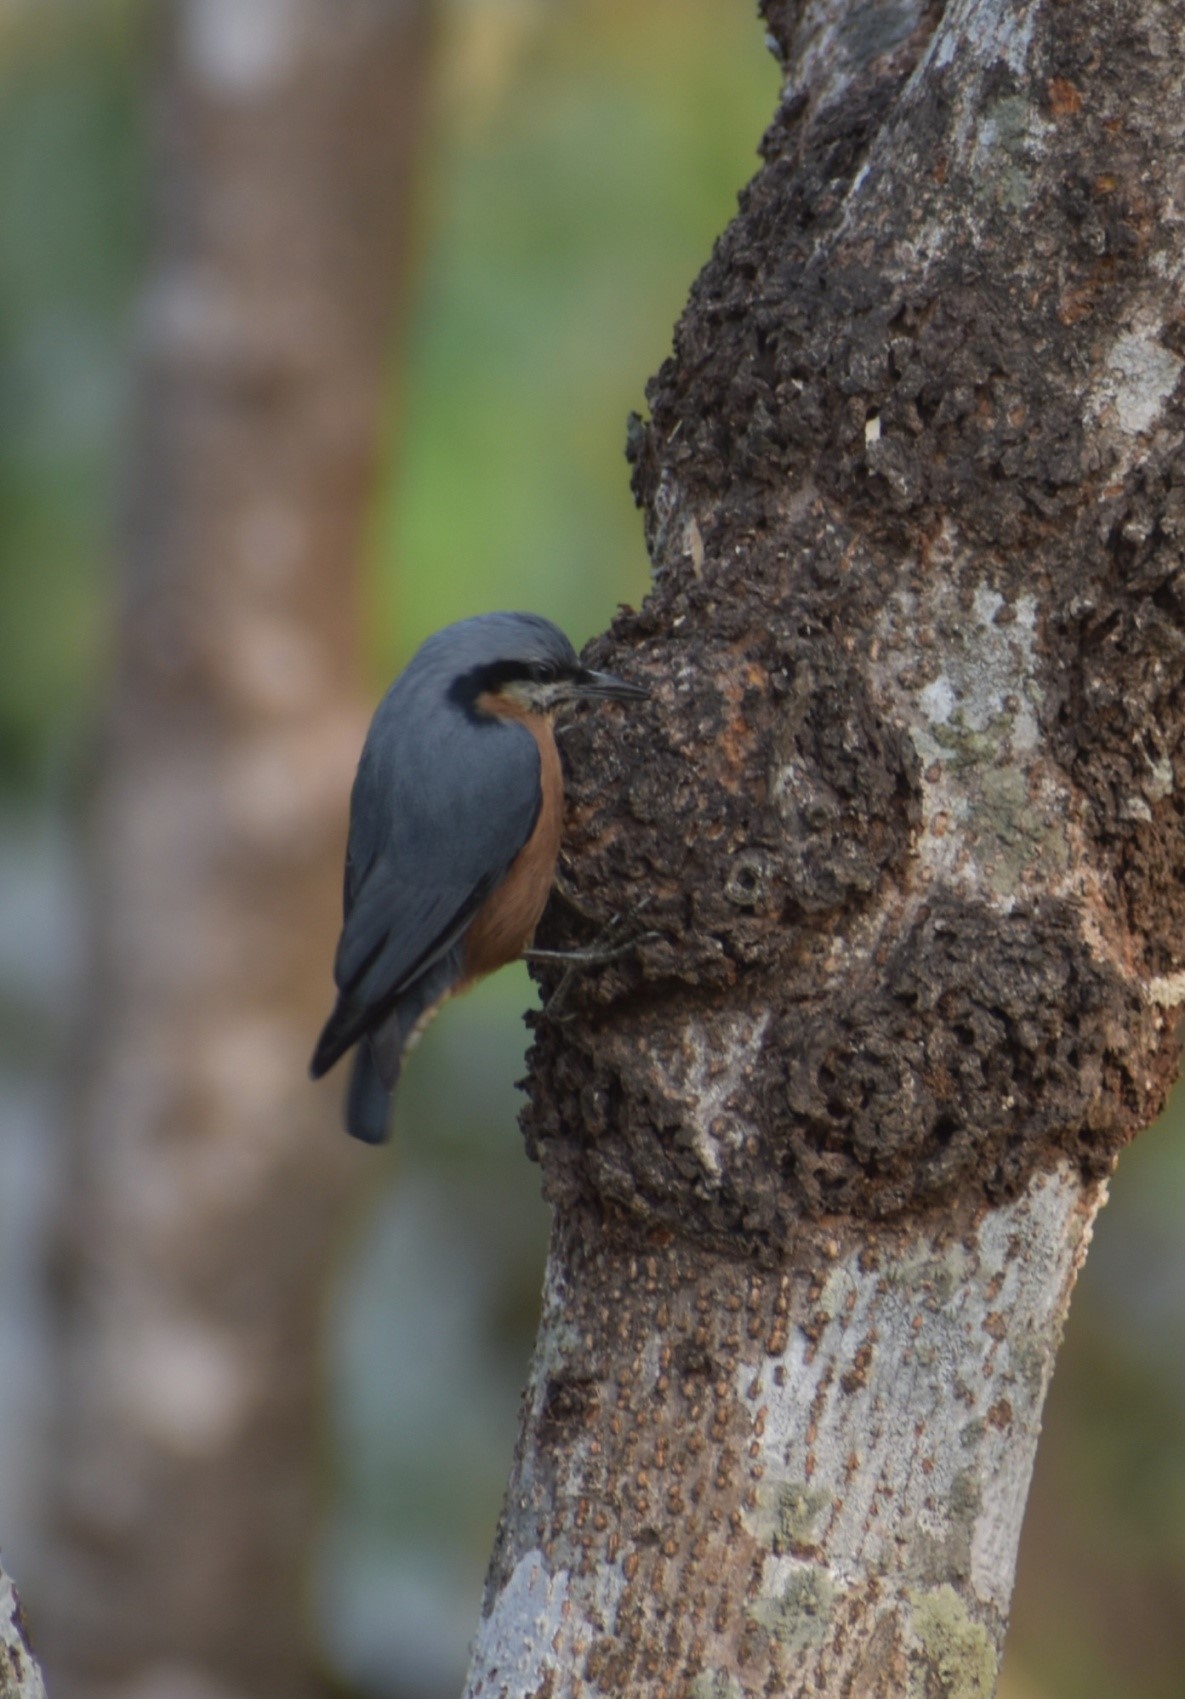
(433, 829)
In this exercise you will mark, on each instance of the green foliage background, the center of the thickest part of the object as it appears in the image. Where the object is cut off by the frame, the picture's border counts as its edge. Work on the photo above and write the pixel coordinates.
(581, 159)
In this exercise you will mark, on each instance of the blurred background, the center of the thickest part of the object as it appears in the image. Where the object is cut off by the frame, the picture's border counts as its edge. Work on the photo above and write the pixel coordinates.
(319, 324)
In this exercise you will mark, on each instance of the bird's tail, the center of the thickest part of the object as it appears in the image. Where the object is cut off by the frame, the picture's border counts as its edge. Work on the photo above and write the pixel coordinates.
(368, 1100)
(345, 1026)
(378, 1059)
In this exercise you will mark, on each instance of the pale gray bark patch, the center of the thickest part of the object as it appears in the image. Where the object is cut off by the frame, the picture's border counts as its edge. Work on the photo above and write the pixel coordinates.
(238, 50)
(517, 1643)
(20, 1673)
(1138, 378)
(943, 1461)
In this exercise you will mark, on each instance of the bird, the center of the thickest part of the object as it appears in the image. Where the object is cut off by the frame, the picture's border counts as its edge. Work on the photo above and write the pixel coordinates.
(455, 822)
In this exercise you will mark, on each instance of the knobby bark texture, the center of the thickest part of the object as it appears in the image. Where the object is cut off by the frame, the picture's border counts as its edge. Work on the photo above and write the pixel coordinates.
(208, 1180)
(907, 813)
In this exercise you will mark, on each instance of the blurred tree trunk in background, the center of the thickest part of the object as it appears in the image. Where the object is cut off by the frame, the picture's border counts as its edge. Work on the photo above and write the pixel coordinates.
(908, 812)
(208, 1179)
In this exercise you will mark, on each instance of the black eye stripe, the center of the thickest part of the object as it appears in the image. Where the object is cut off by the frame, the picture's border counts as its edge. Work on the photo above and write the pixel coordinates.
(497, 676)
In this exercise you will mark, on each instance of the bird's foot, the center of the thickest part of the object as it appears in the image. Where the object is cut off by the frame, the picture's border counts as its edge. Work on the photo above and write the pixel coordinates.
(608, 946)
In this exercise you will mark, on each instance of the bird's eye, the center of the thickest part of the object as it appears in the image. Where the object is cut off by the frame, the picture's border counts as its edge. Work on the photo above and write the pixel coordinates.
(541, 673)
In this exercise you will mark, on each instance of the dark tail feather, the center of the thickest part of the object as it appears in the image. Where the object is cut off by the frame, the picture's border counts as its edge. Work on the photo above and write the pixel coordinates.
(368, 1102)
(342, 1029)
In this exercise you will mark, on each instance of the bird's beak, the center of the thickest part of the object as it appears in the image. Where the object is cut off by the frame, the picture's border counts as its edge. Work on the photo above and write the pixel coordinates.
(608, 685)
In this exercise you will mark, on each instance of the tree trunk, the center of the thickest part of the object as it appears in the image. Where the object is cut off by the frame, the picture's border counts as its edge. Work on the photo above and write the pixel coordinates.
(907, 811)
(209, 1180)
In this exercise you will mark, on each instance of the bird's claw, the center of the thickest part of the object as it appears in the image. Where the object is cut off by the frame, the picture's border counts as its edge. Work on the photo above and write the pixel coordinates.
(608, 947)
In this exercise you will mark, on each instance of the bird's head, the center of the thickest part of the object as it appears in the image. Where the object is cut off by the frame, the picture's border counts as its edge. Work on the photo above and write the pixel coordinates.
(515, 664)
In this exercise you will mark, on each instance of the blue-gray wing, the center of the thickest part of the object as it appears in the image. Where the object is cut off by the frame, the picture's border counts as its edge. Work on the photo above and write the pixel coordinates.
(435, 822)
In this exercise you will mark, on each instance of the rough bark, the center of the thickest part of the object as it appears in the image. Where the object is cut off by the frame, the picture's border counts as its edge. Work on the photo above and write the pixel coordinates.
(208, 1181)
(908, 814)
